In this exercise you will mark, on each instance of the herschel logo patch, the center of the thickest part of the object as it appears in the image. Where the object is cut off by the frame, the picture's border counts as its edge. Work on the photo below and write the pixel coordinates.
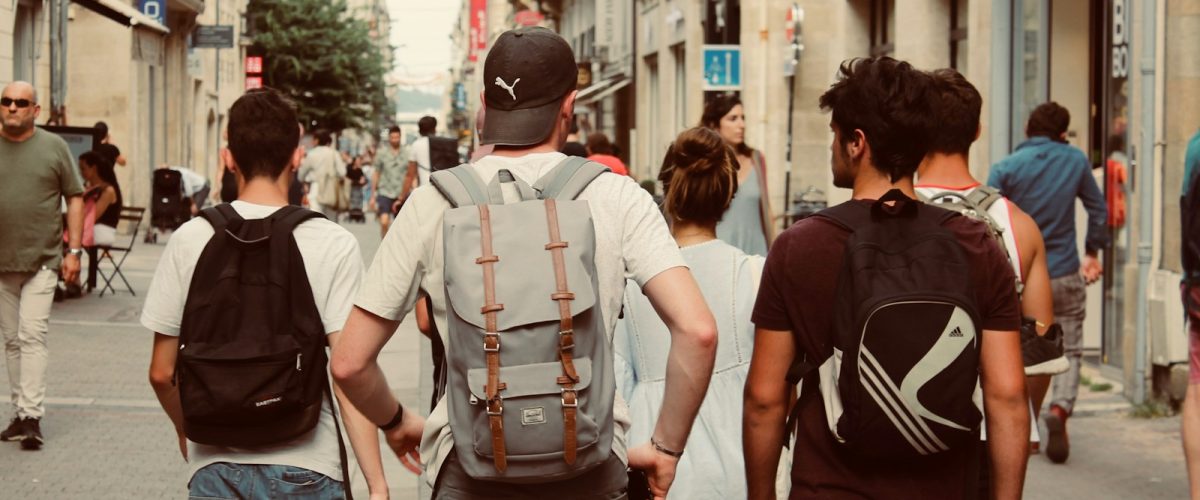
(533, 416)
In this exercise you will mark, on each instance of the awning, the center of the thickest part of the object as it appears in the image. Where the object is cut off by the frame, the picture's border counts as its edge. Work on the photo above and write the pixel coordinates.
(596, 88)
(123, 13)
(618, 83)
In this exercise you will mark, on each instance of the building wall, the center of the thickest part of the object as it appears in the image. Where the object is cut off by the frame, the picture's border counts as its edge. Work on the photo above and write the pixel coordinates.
(40, 56)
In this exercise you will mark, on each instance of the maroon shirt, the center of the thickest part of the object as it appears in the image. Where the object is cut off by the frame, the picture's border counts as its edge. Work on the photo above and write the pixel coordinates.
(797, 295)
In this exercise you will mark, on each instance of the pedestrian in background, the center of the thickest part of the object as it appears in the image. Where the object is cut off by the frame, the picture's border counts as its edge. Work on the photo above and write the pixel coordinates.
(601, 151)
(263, 152)
(37, 173)
(699, 176)
(104, 194)
(879, 121)
(388, 180)
(419, 166)
(327, 169)
(106, 147)
(1044, 176)
(1190, 257)
(747, 225)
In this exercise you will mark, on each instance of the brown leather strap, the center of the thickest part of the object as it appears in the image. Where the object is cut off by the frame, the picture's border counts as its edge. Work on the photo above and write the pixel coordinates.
(566, 332)
(491, 339)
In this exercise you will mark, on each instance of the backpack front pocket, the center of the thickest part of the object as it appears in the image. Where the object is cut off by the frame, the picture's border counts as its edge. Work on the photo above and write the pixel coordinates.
(532, 410)
(223, 388)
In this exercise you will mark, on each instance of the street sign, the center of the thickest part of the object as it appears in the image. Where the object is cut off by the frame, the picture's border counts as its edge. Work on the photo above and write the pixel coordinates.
(722, 67)
(154, 9)
(213, 37)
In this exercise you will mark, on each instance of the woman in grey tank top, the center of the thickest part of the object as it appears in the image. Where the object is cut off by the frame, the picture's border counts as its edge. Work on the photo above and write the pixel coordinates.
(747, 222)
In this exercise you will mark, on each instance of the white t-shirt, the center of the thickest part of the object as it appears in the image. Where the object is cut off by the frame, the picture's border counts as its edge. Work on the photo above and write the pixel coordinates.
(334, 268)
(419, 152)
(632, 242)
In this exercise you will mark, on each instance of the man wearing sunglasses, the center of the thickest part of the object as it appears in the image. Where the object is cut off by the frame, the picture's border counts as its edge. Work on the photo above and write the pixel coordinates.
(38, 171)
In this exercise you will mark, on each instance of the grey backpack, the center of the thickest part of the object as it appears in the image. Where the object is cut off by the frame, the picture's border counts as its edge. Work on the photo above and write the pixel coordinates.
(975, 205)
(530, 382)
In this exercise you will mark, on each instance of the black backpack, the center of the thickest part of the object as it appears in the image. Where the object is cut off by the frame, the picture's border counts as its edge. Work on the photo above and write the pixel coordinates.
(905, 363)
(443, 153)
(1189, 218)
(252, 365)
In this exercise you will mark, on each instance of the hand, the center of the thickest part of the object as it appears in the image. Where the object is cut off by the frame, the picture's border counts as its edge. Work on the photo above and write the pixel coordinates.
(70, 268)
(659, 468)
(371, 204)
(379, 495)
(183, 450)
(397, 204)
(405, 439)
(1091, 269)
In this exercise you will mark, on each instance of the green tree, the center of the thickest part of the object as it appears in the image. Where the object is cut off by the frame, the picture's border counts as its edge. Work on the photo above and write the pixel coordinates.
(322, 57)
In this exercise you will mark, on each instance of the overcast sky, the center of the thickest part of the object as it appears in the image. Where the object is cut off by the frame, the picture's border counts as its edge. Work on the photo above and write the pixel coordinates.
(421, 34)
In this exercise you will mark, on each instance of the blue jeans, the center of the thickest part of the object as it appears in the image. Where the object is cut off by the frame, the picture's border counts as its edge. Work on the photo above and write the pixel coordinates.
(227, 481)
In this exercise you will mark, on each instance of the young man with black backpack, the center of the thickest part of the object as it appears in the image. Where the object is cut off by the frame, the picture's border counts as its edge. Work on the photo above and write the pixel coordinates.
(243, 304)
(524, 255)
(894, 314)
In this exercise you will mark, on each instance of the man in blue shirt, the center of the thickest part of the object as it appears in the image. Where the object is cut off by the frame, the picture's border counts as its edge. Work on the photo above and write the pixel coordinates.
(1191, 302)
(1043, 177)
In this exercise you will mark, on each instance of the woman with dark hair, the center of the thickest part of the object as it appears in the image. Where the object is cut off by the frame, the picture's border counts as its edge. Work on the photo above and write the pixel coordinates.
(747, 223)
(699, 176)
(103, 193)
(101, 186)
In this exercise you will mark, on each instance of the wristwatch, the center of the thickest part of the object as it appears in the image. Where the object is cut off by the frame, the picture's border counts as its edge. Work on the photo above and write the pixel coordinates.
(75, 251)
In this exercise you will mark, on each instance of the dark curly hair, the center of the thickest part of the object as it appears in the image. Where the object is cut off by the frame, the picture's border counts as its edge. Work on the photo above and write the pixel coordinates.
(886, 99)
(1048, 120)
(956, 105)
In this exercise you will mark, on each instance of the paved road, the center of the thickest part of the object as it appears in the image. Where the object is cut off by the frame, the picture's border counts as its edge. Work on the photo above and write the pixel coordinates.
(107, 437)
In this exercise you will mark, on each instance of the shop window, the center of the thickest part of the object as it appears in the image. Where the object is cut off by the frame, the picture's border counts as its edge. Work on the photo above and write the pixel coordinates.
(958, 35)
(24, 46)
(653, 118)
(883, 27)
(681, 88)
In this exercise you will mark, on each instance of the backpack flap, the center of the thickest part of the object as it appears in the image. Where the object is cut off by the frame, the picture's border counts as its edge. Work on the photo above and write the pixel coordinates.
(527, 301)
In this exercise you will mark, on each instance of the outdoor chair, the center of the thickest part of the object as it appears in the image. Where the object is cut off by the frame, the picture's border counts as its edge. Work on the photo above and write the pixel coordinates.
(131, 217)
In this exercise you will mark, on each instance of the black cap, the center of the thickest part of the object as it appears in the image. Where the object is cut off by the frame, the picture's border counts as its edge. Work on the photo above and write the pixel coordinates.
(527, 74)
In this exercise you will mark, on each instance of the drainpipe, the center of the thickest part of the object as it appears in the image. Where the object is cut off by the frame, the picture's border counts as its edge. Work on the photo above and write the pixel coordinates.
(1145, 176)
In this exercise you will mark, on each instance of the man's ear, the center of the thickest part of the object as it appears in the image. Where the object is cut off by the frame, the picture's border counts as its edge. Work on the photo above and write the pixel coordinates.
(568, 105)
(230, 163)
(857, 145)
(978, 131)
(297, 157)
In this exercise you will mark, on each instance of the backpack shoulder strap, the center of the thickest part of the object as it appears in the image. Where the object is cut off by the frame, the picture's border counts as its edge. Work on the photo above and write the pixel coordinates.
(848, 215)
(568, 178)
(285, 220)
(461, 186)
(984, 197)
(220, 216)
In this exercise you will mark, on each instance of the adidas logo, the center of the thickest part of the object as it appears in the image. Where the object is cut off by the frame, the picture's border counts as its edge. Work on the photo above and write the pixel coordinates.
(957, 332)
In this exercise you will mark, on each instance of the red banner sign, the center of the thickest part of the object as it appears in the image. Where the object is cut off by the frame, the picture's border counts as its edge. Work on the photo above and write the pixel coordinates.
(254, 65)
(529, 18)
(254, 82)
(478, 42)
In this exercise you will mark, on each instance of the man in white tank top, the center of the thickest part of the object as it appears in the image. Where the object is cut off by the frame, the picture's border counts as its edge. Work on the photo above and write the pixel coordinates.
(945, 173)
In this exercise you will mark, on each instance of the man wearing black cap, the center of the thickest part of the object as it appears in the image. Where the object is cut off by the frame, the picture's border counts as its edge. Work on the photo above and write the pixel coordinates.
(529, 96)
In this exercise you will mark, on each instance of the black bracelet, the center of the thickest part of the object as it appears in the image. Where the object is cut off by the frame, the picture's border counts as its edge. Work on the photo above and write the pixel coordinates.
(396, 420)
(664, 451)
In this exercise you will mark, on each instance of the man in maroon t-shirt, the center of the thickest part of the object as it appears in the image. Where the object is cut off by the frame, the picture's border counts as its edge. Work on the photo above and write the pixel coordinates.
(879, 139)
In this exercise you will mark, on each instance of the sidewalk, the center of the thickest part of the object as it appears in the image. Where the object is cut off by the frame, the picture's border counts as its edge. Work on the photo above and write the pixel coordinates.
(106, 436)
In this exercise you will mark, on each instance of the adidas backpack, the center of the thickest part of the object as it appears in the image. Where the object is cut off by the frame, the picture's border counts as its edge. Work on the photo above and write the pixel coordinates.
(251, 369)
(530, 382)
(905, 363)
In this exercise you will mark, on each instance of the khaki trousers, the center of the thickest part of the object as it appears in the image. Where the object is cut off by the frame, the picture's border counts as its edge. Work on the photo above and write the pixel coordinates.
(25, 301)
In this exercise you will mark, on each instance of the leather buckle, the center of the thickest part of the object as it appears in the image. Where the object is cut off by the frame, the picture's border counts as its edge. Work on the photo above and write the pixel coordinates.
(574, 398)
(499, 406)
(566, 347)
(491, 337)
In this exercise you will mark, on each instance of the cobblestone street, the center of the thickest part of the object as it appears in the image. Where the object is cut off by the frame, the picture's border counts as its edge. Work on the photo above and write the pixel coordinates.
(107, 437)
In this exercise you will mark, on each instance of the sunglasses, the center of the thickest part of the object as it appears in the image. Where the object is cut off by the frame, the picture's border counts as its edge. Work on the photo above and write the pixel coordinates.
(21, 103)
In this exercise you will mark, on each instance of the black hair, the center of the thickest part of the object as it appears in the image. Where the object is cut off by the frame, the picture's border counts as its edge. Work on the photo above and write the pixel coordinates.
(885, 99)
(716, 109)
(101, 129)
(575, 149)
(427, 125)
(598, 144)
(394, 129)
(104, 168)
(263, 133)
(324, 138)
(956, 105)
(1048, 120)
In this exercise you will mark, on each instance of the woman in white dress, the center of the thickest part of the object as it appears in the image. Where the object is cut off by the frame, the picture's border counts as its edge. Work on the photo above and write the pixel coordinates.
(699, 176)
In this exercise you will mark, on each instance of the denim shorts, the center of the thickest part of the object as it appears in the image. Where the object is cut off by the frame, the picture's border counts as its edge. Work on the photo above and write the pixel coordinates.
(224, 480)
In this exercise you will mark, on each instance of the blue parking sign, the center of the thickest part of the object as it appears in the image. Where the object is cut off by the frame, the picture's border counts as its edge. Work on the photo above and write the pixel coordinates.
(722, 67)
